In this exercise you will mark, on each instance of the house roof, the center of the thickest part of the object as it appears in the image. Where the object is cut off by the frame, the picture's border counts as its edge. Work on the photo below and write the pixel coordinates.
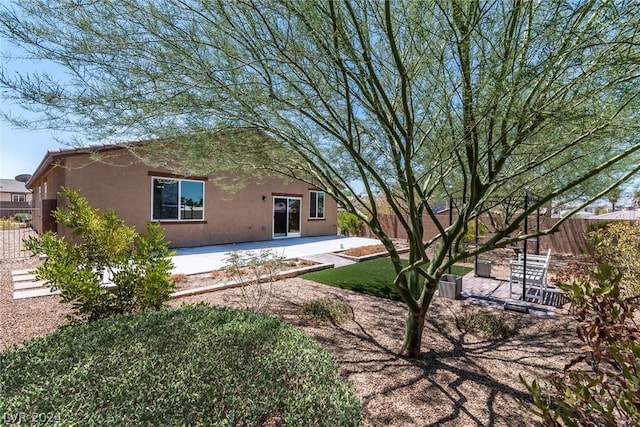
(12, 186)
(53, 155)
(624, 214)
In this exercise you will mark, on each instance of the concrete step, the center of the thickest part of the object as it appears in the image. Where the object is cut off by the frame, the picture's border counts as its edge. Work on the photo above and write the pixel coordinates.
(23, 278)
(28, 285)
(32, 293)
(21, 272)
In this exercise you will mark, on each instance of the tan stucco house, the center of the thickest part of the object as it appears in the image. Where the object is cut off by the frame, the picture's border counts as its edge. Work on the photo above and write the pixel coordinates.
(193, 210)
(14, 197)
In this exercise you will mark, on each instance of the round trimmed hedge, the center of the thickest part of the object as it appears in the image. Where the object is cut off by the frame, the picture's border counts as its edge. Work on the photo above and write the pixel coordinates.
(195, 365)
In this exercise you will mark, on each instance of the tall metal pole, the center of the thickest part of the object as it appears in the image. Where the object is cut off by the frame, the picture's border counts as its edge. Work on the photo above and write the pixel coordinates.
(524, 251)
(538, 231)
(450, 224)
(475, 264)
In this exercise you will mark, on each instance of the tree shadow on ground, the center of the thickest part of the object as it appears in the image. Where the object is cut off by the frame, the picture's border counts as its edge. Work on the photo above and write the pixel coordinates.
(460, 378)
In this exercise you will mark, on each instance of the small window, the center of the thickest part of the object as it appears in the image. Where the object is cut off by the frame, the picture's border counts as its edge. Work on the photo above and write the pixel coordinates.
(316, 204)
(177, 200)
(18, 198)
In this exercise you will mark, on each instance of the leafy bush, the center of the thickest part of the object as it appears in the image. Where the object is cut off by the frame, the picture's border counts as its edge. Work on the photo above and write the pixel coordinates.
(470, 234)
(326, 310)
(487, 324)
(593, 233)
(599, 225)
(618, 244)
(22, 217)
(106, 250)
(255, 273)
(7, 224)
(601, 386)
(196, 365)
(349, 223)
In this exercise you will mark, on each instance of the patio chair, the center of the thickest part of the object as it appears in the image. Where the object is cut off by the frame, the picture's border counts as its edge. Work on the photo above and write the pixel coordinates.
(535, 277)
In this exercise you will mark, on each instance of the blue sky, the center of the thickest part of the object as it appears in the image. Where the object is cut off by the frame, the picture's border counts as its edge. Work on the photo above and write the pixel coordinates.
(21, 150)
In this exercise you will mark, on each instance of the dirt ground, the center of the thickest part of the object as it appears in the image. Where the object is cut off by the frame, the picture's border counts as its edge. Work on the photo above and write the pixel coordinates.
(461, 379)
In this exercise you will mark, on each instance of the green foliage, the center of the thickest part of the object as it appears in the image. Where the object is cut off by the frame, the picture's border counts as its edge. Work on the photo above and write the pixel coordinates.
(196, 365)
(326, 310)
(255, 273)
(600, 386)
(358, 106)
(488, 324)
(104, 250)
(7, 224)
(22, 217)
(618, 244)
(594, 226)
(19, 220)
(470, 234)
(349, 223)
(374, 277)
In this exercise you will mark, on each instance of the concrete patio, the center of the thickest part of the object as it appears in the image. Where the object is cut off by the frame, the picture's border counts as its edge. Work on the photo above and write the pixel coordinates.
(204, 259)
(197, 260)
(495, 292)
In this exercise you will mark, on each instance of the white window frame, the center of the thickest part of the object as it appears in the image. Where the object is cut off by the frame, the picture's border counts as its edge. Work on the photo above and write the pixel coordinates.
(324, 204)
(17, 196)
(179, 181)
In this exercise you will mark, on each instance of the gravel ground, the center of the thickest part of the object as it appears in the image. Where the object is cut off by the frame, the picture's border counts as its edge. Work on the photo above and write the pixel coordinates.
(461, 379)
(27, 318)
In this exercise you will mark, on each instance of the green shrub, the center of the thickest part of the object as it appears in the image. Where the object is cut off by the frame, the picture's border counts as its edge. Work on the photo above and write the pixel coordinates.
(105, 250)
(196, 365)
(601, 385)
(349, 223)
(22, 217)
(7, 224)
(593, 233)
(470, 234)
(326, 310)
(487, 324)
(618, 244)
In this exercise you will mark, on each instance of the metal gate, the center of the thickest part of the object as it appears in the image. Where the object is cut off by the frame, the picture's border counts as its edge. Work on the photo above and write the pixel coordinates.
(15, 227)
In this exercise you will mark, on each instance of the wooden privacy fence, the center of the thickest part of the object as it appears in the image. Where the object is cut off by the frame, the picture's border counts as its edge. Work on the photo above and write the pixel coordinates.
(569, 239)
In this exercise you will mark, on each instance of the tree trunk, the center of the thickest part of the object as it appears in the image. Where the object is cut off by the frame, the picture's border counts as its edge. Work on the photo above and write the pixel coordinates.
(413, 333)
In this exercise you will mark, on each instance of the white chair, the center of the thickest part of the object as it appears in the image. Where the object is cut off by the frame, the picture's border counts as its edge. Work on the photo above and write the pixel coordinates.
(535, 277)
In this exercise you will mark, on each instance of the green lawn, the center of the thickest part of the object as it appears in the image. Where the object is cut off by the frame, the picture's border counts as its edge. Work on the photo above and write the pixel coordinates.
(374, 277)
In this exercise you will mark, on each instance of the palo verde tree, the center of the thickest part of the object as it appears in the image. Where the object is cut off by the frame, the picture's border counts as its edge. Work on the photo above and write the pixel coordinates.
(369, 100)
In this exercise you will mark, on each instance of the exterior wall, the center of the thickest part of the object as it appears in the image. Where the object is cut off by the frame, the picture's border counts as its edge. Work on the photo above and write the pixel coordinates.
(54, 179)
(7, 197)
(125, 185)
(9, 207)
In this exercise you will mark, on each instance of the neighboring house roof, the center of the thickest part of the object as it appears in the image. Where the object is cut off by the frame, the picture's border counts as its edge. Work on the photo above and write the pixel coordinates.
(625, 214)
(12, 186)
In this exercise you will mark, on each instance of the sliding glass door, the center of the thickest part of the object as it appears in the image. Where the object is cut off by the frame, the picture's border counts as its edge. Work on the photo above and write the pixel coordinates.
(286, 217)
